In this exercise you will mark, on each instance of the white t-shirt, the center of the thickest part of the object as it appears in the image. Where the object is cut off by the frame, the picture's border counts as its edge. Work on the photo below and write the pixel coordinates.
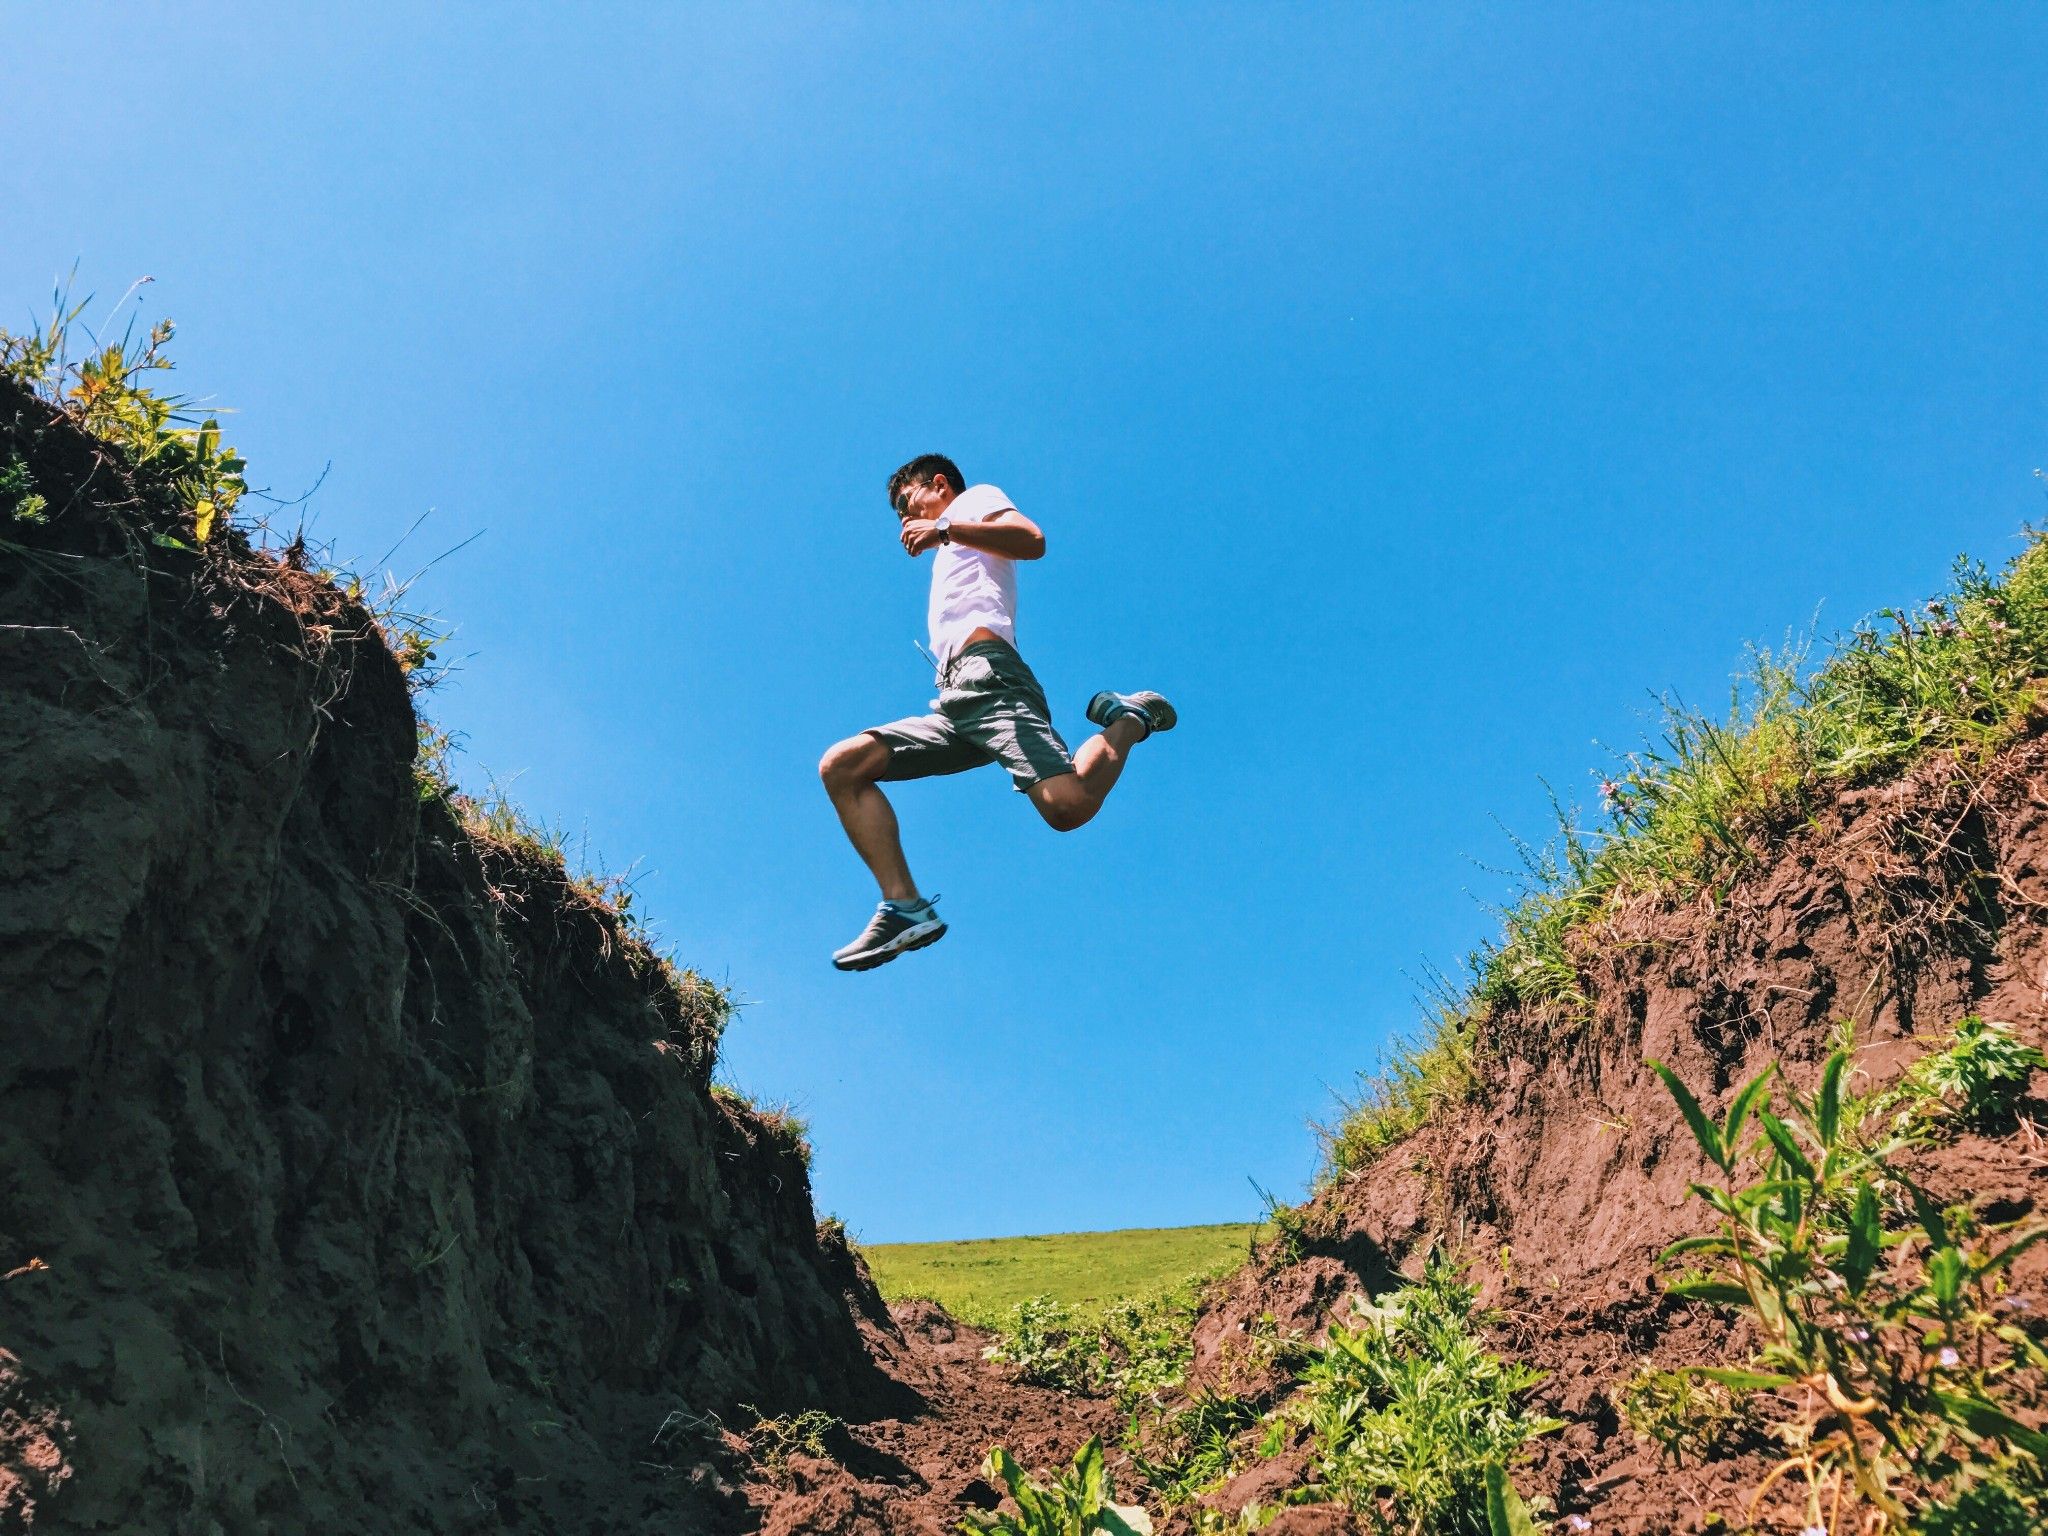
(971, 588)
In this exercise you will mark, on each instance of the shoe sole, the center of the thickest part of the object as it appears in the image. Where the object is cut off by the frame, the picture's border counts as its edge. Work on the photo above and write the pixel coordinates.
(904, 942)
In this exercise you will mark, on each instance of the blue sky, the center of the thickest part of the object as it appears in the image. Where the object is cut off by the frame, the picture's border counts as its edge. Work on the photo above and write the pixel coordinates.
(1408, 392)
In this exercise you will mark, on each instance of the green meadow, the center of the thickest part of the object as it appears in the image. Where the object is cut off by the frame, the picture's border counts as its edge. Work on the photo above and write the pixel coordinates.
(980, 1280)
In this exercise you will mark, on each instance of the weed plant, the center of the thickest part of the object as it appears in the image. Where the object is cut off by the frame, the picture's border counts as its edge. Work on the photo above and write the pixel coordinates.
(1135, 1352)
(773, 1441)
(171, 449)
(1895, 1366)
(1184, 1453)
(1079, 1502)
(1138, 1354)
(1686, 1414)
(1410, 1410)
(1684, 814)
(1980, 1077)
(19, 499)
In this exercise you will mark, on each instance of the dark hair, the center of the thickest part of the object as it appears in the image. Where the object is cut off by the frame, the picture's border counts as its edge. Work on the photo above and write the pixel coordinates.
(919, 471)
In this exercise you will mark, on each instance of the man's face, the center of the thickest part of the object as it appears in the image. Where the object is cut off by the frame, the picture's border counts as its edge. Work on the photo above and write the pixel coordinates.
(921, 503)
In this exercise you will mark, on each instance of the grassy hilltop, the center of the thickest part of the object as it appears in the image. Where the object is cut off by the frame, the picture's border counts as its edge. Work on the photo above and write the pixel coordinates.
(980, 1281)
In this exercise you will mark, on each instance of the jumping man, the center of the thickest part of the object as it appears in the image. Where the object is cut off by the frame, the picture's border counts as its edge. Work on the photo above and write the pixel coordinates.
(990, 708)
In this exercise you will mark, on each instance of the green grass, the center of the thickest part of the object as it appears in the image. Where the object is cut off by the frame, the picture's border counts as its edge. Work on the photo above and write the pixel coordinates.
(980, 1281)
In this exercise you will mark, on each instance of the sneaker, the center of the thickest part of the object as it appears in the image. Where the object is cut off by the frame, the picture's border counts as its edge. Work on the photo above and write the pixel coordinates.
(892, 931)
(1149, 708)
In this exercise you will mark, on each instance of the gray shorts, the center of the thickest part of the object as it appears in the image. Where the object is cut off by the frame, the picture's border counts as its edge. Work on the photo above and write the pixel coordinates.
(990, 709)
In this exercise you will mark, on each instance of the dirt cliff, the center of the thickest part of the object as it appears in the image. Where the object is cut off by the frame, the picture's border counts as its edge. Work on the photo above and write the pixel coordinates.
(357, 1171)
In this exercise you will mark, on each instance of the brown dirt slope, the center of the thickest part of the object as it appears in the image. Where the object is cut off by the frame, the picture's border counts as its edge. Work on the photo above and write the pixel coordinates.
(357, 1173)
(1560, 1180)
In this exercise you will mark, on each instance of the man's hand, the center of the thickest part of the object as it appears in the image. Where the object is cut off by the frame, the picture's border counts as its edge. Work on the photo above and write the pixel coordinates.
(919, 536)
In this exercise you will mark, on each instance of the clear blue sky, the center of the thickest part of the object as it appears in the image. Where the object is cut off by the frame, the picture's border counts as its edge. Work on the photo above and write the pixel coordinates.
(1408, 391)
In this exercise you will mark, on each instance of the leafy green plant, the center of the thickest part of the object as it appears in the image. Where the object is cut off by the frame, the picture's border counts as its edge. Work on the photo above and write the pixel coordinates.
(1204, 1521)
(1077, 1503)
(1981, 1075)
(170, 446)
(1183, 1454)
(1138, 1349)
(18, 497)
(1410, 1409)
(1506, 1514)
(1885, 1355)
(2005, 1499)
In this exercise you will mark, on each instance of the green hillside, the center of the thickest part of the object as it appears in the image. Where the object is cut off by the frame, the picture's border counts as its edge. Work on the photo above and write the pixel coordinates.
(979, 1281)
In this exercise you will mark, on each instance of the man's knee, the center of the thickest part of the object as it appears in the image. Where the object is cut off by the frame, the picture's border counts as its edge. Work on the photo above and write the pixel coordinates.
(1063, 805)
(854, 761)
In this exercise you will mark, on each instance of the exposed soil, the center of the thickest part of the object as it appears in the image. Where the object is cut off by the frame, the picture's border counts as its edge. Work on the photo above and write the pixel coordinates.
(359, 1172)
(1903, 908)
(914, 1467)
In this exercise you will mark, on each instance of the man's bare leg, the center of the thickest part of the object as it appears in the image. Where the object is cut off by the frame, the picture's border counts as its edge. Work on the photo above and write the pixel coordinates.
(1072, 799)
(849, 772)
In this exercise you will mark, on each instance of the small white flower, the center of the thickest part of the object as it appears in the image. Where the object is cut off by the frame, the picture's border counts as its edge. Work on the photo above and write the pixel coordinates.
(1578, 1522)
(1813, 1530)
(1949, 1358)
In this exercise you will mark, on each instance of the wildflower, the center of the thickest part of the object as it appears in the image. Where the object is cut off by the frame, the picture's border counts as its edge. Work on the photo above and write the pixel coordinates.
(1610, 789)
(2014, 1303)
(1948, 1358)
(1578, 1522)
(1860, 1335)
(1813, 1530)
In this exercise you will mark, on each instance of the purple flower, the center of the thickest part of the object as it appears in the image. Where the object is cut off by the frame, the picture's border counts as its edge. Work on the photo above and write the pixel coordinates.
(1949, 1358)
(1860, 1335)
(1578, 1522)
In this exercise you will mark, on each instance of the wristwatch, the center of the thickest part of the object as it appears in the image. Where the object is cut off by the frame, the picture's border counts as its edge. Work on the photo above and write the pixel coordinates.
(945, 528)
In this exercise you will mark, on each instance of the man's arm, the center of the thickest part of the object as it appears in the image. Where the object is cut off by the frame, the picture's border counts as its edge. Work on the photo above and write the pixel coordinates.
(1010, 534)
